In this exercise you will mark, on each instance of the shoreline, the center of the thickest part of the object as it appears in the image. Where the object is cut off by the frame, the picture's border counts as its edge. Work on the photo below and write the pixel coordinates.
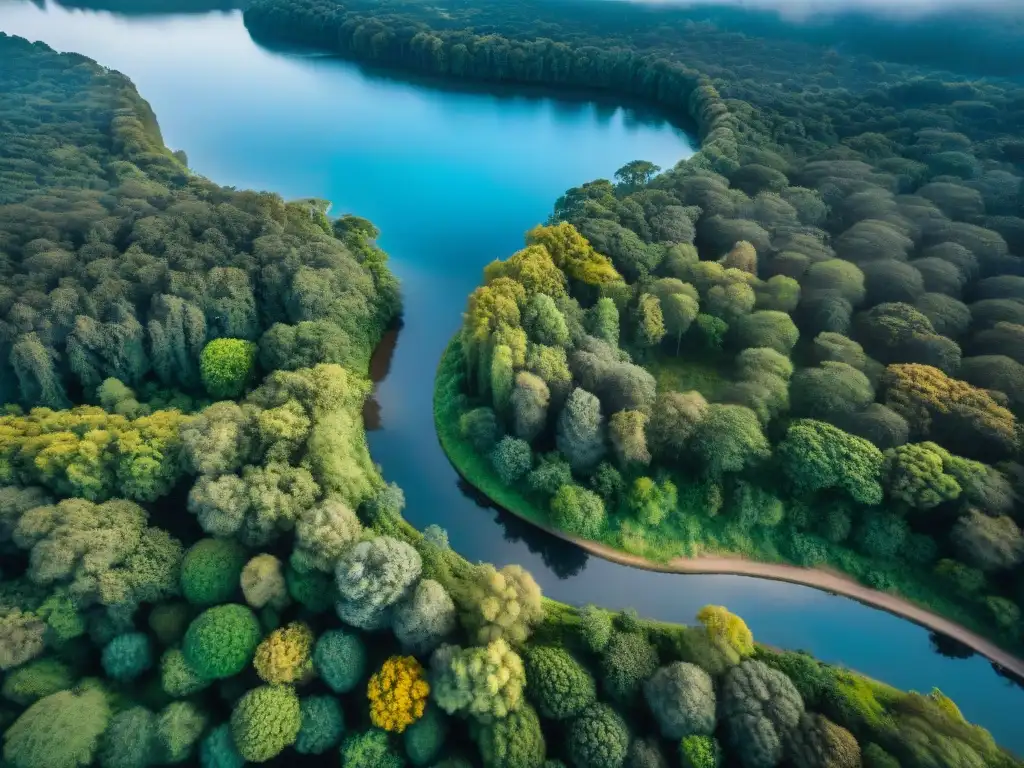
(815, 578)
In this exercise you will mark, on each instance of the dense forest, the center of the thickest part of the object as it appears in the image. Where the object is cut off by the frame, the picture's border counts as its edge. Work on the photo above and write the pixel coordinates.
(202, 565)
(800, 345)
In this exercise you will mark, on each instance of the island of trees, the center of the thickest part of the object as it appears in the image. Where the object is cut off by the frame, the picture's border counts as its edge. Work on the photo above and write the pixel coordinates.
(201, 563)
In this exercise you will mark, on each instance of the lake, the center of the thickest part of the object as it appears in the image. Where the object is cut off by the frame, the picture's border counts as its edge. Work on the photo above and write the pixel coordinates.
(454, 177)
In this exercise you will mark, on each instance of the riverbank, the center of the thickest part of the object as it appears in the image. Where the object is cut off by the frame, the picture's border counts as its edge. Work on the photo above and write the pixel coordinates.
(475, 468)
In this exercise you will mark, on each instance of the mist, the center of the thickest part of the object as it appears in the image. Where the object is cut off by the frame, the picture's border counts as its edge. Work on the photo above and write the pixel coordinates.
(803, 9)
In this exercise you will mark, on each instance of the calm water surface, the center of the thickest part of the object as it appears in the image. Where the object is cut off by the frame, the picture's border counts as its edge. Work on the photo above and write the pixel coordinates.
(453, 178)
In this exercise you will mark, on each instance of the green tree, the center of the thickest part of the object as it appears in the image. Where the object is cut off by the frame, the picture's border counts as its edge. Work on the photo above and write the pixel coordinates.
(323, 724)
(61, 730)
(682, 698)
(626, 663)
(559, 685)
(816, 456)
(340, 660)
(759, 706)
(485, 683)
(515, 741)
(221, 641)
(581, 432)
(265, 721)
(210, 571)
(512, 459)
(729, 439)
(578, 511)
(598, 738)
(226, 367)
(372, 577)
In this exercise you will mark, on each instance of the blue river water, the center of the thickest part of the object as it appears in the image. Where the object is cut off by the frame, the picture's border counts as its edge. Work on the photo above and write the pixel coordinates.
(454, 177)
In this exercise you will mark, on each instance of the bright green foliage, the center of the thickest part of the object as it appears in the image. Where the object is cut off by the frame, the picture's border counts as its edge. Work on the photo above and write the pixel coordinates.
(501, 604)
(651, 502)
(682, 698)
(605, 321)
(699, 752)
(425, 738)
(369, 749)
(35, 680)
(544, 323)
(559, 685)
(263, 583)
(210, 571)
(726, 630)
(502, 377)
(515, 741)
(425, 618)
(340, 659)
(595, 628)
(226, 366)
(168, 621)
(61, 730)
(221, 641)
(484, 683)
(915, 475)
(265, 721)
(627, 662)
(372, 577)
(598, 738)
(177, 678)
(816, 456)
(759, 705)
(578, 511)
(218, 749)
(323, 725)
(817, 742)
(178, 728)
(711, 330)
(512, 458)
(767, 328)
(127, 656)
(650, 321)
(729, 439)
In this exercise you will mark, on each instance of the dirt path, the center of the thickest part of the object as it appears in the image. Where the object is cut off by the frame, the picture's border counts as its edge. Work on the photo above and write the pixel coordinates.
(829, 581)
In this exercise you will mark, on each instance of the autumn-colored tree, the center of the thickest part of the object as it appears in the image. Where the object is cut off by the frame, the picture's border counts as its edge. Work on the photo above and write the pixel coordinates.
(397, 693)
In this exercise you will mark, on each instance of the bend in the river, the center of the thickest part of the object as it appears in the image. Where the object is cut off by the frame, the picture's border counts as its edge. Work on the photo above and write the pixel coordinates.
(453, 177)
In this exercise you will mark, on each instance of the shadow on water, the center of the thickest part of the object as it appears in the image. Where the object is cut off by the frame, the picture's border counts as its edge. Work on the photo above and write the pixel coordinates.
(950, 647)
(380, 367)
(563, 558)
(564, 102)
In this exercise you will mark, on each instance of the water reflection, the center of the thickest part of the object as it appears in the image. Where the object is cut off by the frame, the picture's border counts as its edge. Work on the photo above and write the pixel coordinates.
(564, 559)
(148, 7)
(950, 647)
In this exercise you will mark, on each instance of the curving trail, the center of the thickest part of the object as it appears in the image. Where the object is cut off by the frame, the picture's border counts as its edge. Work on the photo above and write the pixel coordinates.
(819, 578)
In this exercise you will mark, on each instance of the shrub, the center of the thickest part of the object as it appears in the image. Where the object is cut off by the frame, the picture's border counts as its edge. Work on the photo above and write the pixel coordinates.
(220, 642)
(484, 683)
(425, 738)
(210, 571)
(882, 535)
(559, 685)
(397, 693)
(265, 721)
(177, 678)
(515, 741)
(511, 458)
(425, 618)
(127, 656)
(178, 727)
(61, 730)
(682, 698)
(578, 511)
(700, 752)
(598, 738)
(37, 679)
(226, 367)
(372, 577)
(323, 534)
(218, 749)
(340, 660)
(263, 583)
(370, 749)
(323, 724)
(595, 627)
(285, 655)
(129, 740)
(627, 662)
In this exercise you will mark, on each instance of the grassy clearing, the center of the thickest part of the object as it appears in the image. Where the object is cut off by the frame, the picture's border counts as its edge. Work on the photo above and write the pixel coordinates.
(705, 372)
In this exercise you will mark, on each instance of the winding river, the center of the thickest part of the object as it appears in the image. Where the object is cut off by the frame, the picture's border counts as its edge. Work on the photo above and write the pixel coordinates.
(453, 177)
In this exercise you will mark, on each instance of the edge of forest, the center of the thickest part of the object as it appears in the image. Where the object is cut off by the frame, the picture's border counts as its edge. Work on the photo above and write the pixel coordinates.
(469, 464)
